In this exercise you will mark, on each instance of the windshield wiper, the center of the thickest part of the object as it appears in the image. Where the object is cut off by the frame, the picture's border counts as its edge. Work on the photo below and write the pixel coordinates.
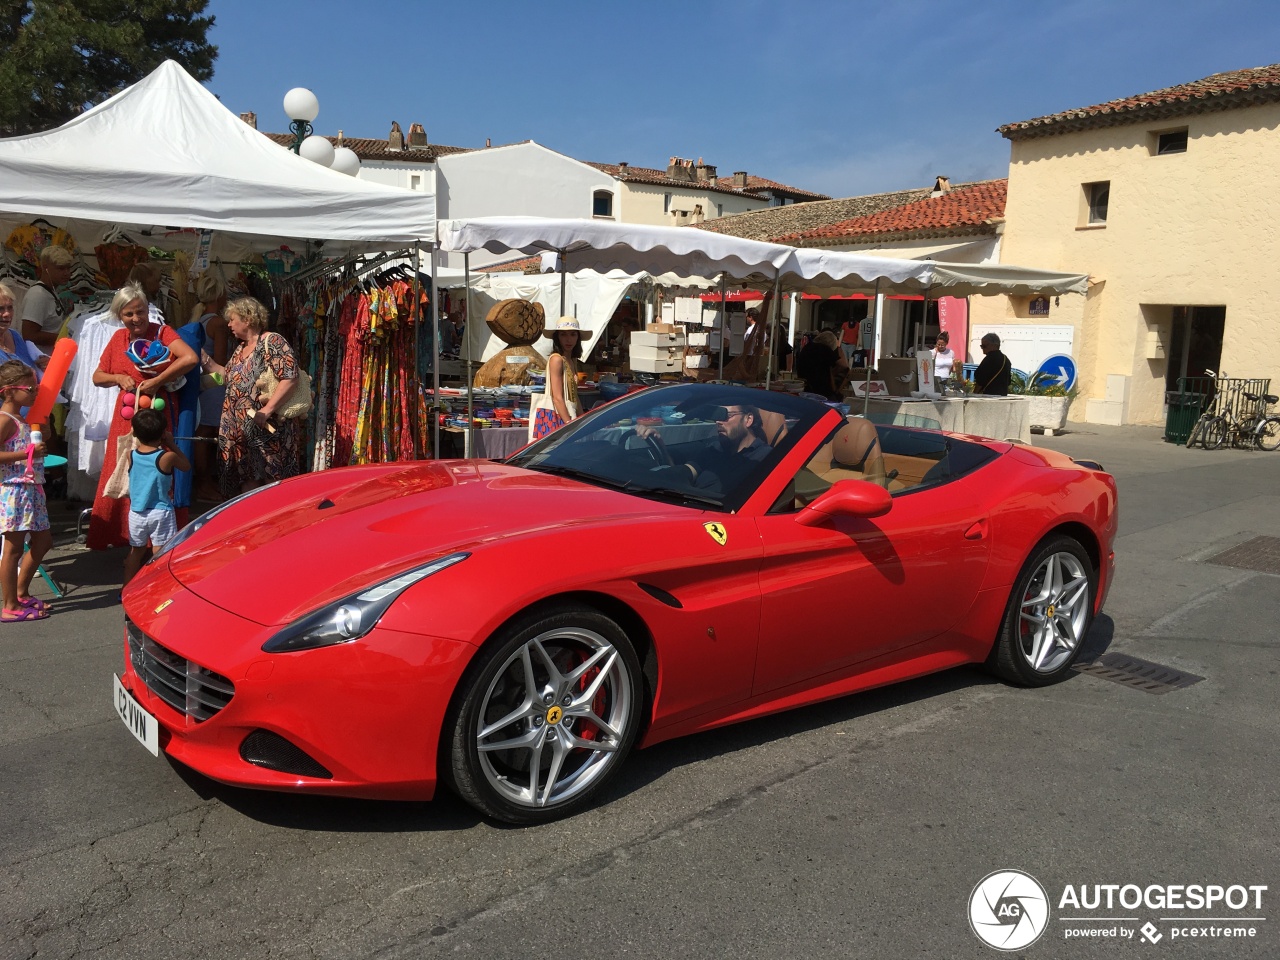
(676, 496)
(583, 475)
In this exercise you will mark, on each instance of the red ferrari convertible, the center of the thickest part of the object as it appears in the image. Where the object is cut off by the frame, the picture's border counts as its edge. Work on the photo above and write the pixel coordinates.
(683, 558)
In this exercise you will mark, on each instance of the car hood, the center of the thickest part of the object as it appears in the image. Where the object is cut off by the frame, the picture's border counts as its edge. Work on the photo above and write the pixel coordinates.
(293, 548)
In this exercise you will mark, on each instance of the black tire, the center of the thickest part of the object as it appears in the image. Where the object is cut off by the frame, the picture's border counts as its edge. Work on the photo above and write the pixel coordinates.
(1035, 658)
(1196, 429)
(597, 704)
(1269, 435)
(1214, 434)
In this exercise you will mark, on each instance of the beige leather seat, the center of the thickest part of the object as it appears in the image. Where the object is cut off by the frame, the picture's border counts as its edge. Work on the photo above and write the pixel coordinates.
(852, 454)
(856, 447)
(774, 425)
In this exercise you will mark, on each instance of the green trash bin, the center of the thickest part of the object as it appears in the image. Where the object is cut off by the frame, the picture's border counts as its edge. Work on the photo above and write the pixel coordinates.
(1183, 411)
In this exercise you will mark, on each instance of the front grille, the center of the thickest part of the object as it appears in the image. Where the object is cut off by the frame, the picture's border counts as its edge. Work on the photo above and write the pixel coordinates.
(187, 687)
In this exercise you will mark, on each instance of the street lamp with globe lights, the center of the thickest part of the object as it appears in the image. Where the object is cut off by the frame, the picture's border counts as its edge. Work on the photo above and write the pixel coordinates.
(301, 106)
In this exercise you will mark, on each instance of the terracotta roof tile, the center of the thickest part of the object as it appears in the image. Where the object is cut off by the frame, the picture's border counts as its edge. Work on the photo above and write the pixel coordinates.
(367, 148)
(1222, 91)
(972, 208)
(523, 265)
(755, 185)
(798, 217)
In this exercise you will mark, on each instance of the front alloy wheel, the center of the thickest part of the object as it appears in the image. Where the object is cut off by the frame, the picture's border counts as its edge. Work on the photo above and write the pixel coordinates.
(1048, 615)
(546, 716)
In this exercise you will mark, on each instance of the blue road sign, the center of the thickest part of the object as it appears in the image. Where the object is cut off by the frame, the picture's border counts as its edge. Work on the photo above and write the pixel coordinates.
(1058, 370)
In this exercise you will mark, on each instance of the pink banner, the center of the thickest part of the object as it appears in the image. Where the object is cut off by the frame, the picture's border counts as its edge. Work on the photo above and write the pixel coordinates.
(953, 317)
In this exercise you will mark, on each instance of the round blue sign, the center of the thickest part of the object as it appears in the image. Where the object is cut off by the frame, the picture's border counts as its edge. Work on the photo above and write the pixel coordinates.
(1058, 370)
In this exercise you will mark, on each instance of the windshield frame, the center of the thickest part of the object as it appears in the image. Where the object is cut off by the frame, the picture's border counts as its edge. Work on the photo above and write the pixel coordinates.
(687, 403)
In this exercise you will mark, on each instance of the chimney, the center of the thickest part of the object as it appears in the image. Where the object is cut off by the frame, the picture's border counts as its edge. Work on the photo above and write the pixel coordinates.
(251, 119)
(678, 169)
(940, 186)
(339, 143)
(740, 179)
(395, 139)
(623, 169)
(417, 135)
(488, 142)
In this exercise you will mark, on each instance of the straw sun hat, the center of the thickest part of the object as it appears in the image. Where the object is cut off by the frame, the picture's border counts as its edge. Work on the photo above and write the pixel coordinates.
(566, 323)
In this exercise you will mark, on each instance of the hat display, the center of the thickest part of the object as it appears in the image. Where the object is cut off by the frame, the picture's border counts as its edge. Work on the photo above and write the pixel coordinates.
(566, 323)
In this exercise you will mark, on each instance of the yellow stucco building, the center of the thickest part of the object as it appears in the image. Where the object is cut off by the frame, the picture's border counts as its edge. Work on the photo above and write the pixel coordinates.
(1168, 201)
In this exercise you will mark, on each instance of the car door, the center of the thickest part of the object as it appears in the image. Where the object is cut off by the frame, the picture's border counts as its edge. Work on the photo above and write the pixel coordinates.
(852, 588)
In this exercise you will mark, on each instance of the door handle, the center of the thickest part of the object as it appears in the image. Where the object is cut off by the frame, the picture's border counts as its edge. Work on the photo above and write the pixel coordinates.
(977, 531)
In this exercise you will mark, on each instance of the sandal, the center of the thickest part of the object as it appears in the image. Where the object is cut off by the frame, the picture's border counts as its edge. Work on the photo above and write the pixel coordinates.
(33, 603)
(19, 616)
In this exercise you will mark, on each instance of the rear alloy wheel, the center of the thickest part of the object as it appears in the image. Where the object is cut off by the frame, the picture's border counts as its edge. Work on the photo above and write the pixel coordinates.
(1049, 612)
(545, 716)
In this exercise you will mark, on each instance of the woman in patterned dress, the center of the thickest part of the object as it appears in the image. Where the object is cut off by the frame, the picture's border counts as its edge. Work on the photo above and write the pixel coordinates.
(255, 445)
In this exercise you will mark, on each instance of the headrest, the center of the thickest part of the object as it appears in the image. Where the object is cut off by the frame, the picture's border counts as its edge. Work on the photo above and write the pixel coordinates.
(855, 442)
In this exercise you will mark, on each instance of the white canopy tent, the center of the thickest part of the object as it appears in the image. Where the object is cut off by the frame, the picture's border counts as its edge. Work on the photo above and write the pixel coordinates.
(165, 152)
(684, 252)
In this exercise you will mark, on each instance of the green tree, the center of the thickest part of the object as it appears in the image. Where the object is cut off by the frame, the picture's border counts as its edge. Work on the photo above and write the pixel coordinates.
(59, 57)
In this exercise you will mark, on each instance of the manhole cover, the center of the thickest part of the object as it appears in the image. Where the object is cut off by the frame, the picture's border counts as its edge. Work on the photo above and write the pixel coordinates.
(1140, 674)
(1260, 553)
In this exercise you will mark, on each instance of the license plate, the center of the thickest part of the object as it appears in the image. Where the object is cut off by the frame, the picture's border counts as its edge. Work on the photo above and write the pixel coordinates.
(140, 723)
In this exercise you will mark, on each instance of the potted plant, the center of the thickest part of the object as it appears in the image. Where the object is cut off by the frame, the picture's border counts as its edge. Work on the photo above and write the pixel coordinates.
(1049, 401)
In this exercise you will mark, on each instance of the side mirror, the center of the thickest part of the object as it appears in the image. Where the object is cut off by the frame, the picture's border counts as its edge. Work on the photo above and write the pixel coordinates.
(847, 498)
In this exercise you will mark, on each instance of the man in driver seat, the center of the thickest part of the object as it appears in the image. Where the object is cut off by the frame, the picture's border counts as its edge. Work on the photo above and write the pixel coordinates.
(723, 463)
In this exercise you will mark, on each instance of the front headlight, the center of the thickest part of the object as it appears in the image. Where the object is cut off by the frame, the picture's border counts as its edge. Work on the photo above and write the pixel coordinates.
(190, 530)
(352, 617)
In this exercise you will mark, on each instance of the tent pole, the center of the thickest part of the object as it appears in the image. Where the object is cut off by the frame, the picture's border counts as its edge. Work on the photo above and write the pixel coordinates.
(724, 320)
(866, 393)
(435, 354)
(417, 383)
(471, 423)
(771, 332)
(791, 325)
(562, 270)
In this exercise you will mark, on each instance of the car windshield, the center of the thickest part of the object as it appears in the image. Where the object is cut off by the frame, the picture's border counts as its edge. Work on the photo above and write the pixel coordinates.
(703, 445)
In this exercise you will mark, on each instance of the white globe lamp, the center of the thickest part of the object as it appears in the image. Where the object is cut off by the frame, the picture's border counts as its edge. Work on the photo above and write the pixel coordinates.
(317, 149)
(345, 161)
(301, 104)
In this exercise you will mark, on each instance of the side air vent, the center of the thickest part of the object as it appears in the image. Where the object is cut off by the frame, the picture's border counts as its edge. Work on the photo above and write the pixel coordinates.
(660, 595)
(266, 749)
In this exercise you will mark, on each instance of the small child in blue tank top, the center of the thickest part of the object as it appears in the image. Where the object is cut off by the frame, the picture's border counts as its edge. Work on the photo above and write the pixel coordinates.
(152, 521)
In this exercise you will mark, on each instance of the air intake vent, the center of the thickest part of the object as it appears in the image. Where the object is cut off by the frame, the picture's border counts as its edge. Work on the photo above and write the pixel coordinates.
(263, 748)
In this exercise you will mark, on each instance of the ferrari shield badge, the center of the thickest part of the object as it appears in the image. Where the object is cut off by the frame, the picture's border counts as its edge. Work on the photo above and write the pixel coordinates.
(163, 605)
(718, 533)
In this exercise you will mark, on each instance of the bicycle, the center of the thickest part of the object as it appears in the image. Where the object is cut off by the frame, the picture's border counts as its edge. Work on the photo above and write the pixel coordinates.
(1259, 429)
(1199, 430)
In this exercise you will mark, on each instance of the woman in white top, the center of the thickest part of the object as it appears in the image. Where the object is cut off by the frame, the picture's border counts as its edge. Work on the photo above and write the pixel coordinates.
(944, 359)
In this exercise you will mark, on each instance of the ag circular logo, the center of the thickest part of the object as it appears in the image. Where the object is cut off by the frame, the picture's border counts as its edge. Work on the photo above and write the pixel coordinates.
(1008, 910)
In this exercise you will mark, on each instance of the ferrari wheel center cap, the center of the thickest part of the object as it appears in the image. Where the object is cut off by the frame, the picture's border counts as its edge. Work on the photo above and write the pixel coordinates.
(554, 715)
(1049, 612)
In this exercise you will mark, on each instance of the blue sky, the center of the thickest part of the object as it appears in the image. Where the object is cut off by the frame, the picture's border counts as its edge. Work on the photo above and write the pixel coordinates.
(844, 98)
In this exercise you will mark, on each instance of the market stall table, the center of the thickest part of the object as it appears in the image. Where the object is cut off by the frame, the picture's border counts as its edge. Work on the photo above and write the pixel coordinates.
(1000, 418)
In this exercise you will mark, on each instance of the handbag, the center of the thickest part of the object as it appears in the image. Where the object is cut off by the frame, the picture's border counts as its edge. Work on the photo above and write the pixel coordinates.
(543, 418)
(300, 399)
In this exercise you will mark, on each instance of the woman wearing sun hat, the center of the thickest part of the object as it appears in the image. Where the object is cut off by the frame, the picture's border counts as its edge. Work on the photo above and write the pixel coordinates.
(562, 376)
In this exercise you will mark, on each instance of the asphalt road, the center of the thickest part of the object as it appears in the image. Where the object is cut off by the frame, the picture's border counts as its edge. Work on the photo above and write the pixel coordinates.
(855, 829)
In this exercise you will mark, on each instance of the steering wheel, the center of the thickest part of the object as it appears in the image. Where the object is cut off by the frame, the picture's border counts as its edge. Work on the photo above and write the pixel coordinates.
(658, 450)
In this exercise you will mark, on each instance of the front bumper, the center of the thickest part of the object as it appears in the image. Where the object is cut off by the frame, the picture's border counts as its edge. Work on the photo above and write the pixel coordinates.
(368, 712)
